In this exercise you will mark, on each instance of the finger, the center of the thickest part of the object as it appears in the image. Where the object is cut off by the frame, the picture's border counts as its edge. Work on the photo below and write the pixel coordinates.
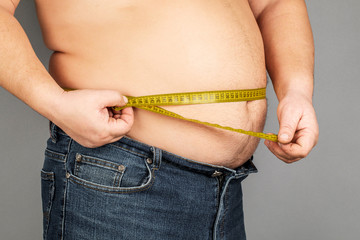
(119, 127)
(289, 120)
(115, 113)
(127, 115)
(112, 98)
(304, 142)
(276, 149)
(111, 114)
(117, 116)
(118, 112)
(291, 152)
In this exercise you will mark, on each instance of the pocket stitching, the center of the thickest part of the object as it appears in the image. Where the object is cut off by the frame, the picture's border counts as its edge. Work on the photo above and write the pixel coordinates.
(118, 178)
(107, 189)
(48, 176)
(99, 162)
(54, 155)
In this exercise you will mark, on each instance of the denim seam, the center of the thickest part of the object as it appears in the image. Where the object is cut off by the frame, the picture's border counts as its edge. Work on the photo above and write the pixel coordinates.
(47, 175)
(100, 162)
(128, 150)
(222, 225)
(117, 179)
(218, 195)
(51, 152)
(122, 191)
(54, 158)
(218, 204)
(55, 155)
(65, 191)
(221, 203)
(157, 158)
(115, 182)
(187, 168)
(76, 168)
(93, 186)
(49, 209)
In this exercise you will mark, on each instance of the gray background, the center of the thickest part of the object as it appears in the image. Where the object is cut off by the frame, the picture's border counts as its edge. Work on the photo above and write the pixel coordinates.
(316, 198)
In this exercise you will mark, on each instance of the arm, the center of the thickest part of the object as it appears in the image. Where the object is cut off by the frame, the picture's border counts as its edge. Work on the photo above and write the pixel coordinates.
(82, 114)
(289, 52)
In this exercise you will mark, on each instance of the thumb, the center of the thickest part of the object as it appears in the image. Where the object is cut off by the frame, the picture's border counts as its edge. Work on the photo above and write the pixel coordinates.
(288, 125)
(113, 98)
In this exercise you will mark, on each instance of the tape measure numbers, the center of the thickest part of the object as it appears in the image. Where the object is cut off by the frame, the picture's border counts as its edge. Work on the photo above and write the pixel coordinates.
(152, 103)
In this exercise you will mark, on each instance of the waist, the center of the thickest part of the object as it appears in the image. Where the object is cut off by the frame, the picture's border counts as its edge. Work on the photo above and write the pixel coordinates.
(190, 140)
(144, 150)
(189, 131)
(200, 142)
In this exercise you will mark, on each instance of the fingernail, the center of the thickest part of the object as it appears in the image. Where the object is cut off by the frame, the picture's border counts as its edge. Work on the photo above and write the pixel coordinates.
(284, 137)
(267, 143)
(125, 99)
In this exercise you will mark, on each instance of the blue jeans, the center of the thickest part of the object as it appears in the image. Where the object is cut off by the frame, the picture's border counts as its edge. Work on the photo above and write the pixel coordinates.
(130, 190)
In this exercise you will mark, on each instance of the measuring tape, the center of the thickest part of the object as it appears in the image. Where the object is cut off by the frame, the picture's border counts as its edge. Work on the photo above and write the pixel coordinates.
(152, 103)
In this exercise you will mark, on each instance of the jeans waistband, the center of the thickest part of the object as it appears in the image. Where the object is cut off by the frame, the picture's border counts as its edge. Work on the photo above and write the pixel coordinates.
(161, 155)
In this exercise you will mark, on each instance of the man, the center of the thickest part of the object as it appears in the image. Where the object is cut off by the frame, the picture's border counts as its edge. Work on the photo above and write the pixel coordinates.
(134, 174)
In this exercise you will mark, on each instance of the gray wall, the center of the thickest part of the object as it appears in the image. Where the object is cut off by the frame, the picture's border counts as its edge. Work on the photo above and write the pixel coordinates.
(316, 198)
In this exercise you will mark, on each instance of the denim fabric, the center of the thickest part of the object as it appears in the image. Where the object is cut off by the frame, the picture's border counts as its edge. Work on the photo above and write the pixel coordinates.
(129, 190)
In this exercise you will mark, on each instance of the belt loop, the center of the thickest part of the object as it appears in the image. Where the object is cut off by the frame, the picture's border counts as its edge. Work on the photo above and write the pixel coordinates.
(53, 132)
(157, 156)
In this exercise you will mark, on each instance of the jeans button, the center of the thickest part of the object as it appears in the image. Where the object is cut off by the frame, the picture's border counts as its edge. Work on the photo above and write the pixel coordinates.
(149, 161)
(217, 174)
(78, 157)
(121, 168)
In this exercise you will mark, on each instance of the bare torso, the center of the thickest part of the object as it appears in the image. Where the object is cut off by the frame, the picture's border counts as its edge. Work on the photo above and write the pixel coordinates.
(141, 47)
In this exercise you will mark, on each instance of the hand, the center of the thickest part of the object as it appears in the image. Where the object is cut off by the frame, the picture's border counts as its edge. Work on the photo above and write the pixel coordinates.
(87, 116)
(299, 130)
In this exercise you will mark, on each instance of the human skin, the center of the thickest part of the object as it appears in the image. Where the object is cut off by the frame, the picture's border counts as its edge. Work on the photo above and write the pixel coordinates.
(111, 48)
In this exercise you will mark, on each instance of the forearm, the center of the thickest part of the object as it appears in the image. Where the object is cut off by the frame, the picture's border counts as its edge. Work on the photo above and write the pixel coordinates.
(21, 72)
(289, 47)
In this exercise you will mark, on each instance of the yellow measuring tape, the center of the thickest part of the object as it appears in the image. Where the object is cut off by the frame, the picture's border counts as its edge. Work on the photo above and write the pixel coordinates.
(152, 103)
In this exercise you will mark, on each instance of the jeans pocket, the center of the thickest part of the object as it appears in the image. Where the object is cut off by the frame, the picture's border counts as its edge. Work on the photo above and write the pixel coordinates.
(47, 194)
(122, 172)
(98, 171)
